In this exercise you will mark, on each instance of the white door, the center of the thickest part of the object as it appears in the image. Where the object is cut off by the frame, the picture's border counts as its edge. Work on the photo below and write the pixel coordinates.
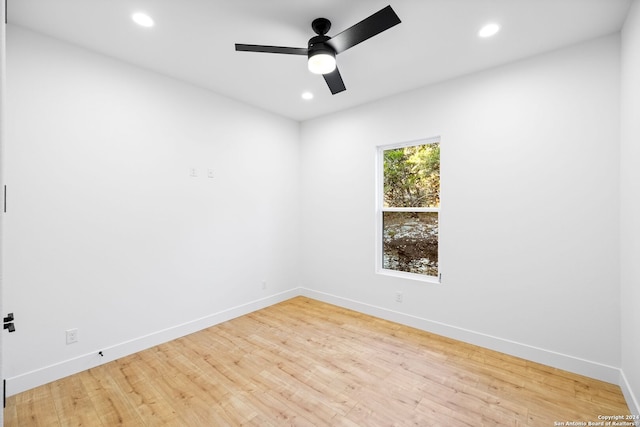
(2, 135)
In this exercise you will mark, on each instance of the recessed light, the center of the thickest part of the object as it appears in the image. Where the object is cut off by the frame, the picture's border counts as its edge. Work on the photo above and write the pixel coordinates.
(307, 95)
(142, 19)
(489, 30)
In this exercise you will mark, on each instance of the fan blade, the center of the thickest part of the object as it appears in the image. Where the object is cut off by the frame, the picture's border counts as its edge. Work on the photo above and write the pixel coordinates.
(334, 81)
(271, 49)
(365, 29)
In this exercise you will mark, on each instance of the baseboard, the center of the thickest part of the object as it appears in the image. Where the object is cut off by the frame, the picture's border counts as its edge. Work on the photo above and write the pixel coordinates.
(629, 396)
(565, 362)
(81, 363)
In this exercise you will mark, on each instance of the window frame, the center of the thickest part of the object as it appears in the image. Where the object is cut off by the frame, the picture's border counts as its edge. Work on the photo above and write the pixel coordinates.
(380, 209)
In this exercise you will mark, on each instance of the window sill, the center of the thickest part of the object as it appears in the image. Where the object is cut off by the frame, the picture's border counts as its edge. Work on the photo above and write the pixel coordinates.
(411, 276)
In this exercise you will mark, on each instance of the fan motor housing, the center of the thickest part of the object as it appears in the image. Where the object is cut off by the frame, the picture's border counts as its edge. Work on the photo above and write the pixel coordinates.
(318, 44)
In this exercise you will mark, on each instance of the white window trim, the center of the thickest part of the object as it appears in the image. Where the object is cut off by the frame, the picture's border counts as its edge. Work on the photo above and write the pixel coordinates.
(379, 200)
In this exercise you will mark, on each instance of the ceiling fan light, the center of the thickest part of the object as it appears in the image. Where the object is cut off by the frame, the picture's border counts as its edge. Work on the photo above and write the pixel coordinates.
(322, 63)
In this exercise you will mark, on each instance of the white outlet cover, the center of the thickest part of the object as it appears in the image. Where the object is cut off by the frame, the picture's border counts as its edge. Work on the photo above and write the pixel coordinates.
(72, 336)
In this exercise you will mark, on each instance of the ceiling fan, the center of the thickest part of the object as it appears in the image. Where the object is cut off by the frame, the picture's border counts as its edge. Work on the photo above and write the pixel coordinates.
(322, 49)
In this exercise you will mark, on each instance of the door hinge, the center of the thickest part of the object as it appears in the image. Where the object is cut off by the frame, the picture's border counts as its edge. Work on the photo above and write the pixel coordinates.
(8, 323)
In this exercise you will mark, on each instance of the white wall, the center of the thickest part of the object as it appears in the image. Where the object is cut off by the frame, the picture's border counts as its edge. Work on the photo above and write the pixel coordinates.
(630, 203)
(107, 232)
(529, 219)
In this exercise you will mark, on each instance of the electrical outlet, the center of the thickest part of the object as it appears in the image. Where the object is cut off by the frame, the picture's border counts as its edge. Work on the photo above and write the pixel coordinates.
(193, 172)
(264, 285)
(72, 335)
(398, 296)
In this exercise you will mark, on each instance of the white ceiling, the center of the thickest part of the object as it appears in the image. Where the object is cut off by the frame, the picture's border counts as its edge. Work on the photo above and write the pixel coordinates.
(193, 40)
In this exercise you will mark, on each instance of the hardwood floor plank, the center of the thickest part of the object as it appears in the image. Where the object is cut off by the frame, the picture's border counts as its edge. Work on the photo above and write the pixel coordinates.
(10, 412)
(36, 408)
(151, 405)
(109, 401)
(72, 403)
(306, 363)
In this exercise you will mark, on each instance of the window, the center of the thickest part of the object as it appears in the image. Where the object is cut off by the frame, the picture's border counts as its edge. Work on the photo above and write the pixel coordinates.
(409, 209)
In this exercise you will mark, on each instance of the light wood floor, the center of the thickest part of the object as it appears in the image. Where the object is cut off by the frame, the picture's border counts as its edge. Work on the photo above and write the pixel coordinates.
(307, 363)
